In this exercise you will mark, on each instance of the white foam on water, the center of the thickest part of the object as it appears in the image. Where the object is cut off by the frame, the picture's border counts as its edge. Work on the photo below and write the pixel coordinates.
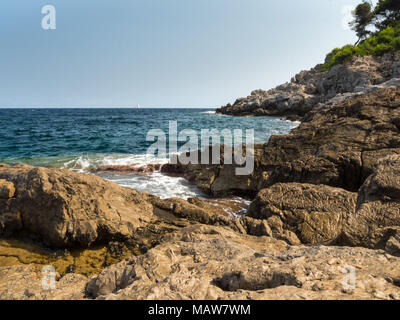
(208, 112)
(294, 123)
(85, 163)
(155, 183)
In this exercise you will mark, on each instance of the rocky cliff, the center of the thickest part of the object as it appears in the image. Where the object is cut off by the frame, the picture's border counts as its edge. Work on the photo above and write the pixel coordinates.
(312, 89)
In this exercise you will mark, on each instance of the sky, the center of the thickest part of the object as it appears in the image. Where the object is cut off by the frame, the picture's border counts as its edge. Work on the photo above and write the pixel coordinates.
(160, 53)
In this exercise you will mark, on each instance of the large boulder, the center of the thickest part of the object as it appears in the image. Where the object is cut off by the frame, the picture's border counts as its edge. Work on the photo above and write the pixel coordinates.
(315, 213)
(217, 180)
(320, 214)
(63, 208)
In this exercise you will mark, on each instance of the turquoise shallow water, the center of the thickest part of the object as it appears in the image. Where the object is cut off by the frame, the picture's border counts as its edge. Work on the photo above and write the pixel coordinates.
(80, 139)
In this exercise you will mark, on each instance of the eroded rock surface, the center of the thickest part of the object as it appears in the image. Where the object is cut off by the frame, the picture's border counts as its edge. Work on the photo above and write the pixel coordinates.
(314, 213)
(63, 208)
(204, 262)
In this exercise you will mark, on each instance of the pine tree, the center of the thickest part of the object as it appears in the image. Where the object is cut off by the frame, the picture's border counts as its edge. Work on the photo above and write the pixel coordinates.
(362, 18)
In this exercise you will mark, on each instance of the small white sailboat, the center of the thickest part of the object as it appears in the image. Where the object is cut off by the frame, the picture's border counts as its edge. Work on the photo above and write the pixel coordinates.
(138, 106)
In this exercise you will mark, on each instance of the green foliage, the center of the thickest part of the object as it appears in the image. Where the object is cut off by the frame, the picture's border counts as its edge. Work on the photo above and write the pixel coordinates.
(387, 40)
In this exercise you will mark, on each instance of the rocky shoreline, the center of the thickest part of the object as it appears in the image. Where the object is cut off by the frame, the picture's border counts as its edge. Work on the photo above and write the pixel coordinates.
(315, 89)
(324, 197)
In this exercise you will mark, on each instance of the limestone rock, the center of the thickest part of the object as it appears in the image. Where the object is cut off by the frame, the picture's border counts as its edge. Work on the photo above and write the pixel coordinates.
(233, 207)
(120, 276)
(63, 208)
(214, 263)
(314, 213)
(320, 214)
(370, 159)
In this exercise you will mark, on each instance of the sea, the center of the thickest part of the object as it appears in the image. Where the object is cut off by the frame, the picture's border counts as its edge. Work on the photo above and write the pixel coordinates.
(84, 139)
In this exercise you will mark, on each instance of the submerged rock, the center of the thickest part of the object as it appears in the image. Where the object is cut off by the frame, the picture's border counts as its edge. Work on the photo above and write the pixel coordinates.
(128, 169)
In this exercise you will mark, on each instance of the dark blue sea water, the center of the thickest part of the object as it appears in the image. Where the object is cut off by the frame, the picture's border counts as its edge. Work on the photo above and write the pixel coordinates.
(80, 139)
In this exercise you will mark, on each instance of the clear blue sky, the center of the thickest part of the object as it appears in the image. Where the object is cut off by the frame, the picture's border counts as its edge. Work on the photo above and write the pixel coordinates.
(160, 53)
